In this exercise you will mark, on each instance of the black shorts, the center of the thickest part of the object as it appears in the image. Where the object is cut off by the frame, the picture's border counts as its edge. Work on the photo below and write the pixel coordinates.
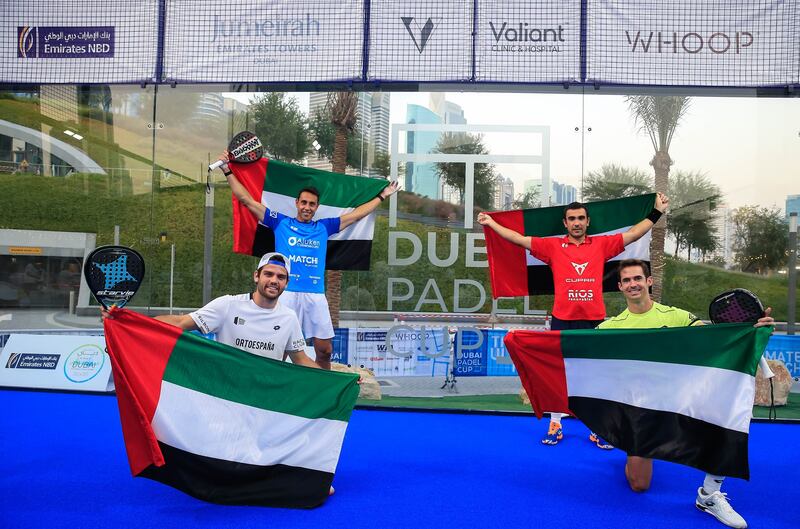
(566, 325)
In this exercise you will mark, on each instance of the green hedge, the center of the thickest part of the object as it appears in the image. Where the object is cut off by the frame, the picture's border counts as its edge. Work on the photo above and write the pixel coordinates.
(89, 203)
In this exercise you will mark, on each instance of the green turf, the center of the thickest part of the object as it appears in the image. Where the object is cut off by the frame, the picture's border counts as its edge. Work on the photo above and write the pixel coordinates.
(465, 402)
(513, 404)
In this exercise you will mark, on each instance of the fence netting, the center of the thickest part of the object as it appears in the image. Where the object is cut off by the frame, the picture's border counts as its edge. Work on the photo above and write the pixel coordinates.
(713, 43)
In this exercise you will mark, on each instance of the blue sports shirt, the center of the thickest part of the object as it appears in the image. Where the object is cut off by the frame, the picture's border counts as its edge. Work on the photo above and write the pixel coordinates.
(306, 244)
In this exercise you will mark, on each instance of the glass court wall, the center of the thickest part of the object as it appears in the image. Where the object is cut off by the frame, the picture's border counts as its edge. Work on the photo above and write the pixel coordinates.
(129, 164)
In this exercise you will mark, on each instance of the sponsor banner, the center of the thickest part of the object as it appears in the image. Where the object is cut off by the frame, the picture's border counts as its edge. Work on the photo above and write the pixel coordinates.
(528, 41)
(83, 44)
(415, 351)
(471, 354)
(340, 342)
(421, 41)
(59, 42)
(255, 41)
(684, 42)
(498, 361)
(77, 363)
(786, 348)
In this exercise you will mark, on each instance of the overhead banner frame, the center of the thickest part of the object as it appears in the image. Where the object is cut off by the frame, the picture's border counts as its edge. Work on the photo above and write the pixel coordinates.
(364, 43)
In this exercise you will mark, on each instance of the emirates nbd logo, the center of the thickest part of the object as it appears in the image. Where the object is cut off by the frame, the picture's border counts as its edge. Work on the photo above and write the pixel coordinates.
(420, 34)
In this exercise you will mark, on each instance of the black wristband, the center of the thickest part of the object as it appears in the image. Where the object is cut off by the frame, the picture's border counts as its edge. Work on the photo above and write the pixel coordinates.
(654, 215)
(226, 171)
(381, 197)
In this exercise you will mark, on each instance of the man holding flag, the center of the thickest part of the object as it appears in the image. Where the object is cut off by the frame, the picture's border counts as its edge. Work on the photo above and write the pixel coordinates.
(305, 241)
(217, 421)
(644, 313)
(253, 322)
(577, 262)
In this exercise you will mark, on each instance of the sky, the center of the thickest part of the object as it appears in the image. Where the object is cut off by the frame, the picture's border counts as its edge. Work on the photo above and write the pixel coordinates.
(749, 147)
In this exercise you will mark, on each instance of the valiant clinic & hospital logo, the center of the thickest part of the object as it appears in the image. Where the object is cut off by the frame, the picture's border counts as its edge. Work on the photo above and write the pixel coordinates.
(420, 35)
(514, 36)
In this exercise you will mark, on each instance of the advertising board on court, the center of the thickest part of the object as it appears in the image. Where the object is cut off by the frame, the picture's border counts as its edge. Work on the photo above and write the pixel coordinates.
(74, 363)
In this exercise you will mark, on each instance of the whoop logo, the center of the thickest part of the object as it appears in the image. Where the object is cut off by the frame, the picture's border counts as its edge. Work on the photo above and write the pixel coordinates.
(425, 32)
(580, 267)
(718, 42)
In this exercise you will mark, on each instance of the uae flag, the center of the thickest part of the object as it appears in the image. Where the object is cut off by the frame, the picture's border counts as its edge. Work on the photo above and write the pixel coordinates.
(224, 425)
(513, 271)
(678, 394)
(277, 185)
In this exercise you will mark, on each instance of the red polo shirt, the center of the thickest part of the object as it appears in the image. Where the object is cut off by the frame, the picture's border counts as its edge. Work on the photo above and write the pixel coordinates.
(578, 272)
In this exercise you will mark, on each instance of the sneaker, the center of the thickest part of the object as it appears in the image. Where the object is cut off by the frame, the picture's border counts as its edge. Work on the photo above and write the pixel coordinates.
(600, 442)
(554, 434)
(716, 504)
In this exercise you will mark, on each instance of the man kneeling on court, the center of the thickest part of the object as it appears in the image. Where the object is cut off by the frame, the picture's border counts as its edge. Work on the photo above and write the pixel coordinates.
(254, 322)
(644, 313)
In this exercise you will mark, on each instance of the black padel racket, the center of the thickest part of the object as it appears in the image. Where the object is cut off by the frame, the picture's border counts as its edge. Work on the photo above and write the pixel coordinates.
(736, 306)
(245, 147)
(113, 274)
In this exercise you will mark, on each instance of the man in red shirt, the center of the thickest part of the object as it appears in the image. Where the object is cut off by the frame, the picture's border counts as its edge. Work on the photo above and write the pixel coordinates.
(577, 262)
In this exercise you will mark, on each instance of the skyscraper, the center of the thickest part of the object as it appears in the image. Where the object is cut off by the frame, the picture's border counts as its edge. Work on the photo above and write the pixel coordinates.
(723, 225)
(792, 204)
(504, 193)
(372, 127)
(422, 178)
(560, 194)
(378, 128)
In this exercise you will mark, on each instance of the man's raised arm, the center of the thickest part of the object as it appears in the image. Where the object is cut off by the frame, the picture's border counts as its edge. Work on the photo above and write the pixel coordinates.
(256, 208)
(638, 230)
(367, 207)
(508, 234)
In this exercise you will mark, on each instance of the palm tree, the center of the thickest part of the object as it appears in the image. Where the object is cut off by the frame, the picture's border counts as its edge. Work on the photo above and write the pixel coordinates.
(343, 107)
(693, 204)
(615, 181)
(658, 116)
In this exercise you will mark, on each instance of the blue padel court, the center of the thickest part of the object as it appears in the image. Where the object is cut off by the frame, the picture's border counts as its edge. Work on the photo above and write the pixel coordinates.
(64, 465)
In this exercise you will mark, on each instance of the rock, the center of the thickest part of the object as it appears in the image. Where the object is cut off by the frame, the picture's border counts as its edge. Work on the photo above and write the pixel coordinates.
(782, 383)
(369, 389)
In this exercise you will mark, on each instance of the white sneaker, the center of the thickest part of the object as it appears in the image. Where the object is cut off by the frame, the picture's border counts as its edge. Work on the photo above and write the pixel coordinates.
(716, 504)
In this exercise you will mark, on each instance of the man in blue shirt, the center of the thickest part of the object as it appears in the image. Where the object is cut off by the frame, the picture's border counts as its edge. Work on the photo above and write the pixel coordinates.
(305, 241)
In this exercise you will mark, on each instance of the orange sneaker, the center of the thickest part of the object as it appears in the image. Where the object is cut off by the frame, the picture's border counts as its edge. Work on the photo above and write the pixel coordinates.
(554, 434)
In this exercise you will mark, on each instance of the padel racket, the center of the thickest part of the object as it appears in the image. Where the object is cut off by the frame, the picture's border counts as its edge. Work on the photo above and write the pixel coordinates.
(113, 274)
(736, 306)
(245, 147)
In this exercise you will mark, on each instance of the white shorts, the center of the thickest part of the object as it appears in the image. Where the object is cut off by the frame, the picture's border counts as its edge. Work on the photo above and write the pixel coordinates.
(312, 311)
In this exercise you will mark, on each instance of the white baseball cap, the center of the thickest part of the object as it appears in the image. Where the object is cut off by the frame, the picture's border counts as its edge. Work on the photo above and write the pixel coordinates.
(269, 258)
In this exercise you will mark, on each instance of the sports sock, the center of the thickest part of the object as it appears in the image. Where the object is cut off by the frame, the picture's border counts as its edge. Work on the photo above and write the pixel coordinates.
(712, 483)
(556, 418)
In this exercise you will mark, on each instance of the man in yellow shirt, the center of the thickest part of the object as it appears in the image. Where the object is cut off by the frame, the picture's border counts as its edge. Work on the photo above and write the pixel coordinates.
(644, 313)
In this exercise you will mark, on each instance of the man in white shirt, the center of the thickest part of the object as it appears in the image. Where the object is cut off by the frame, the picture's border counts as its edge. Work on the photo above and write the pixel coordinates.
(253, 322)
